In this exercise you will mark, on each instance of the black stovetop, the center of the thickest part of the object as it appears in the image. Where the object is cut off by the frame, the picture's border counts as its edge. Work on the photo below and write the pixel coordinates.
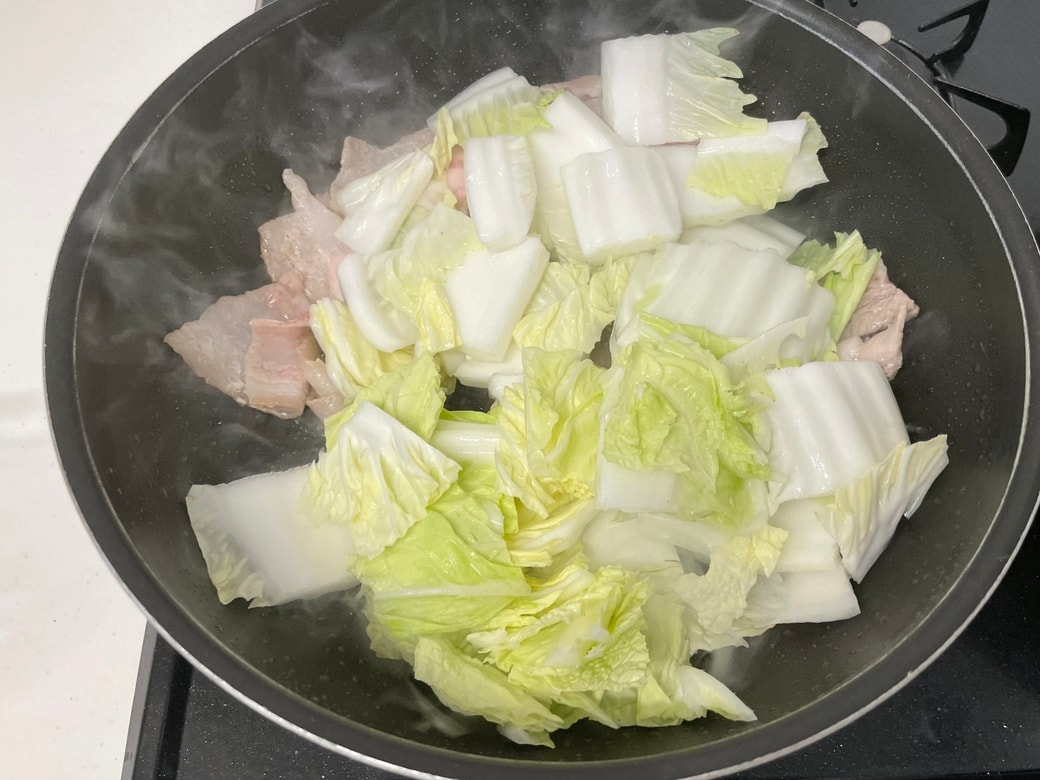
(975, 711)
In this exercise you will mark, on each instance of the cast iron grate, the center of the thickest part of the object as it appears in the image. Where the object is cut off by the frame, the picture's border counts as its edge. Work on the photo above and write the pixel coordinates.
(941, 66)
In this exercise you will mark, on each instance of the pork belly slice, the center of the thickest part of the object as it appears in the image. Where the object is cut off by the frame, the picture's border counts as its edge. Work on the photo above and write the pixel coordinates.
(875, 331)
(360, 158)
(275, 377)
(215, 345)
(304, 242)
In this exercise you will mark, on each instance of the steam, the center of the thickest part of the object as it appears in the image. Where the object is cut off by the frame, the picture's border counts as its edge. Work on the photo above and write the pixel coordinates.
(735, 667)
(179, 230)
(184, 230)
(428, 715)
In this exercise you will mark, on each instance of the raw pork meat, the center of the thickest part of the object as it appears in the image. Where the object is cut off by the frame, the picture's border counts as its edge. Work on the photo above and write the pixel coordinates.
(875, 331)
(304, 242)
(217, 345)
(455, 178)
(275, 379)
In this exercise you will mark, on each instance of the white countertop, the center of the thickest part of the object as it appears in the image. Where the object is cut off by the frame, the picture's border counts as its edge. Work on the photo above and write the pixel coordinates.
(71, 74)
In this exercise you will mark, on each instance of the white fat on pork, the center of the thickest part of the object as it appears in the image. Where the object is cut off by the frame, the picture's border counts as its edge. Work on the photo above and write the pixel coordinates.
(223, 347)
(275, 378)
(875, 331)
(304, 242)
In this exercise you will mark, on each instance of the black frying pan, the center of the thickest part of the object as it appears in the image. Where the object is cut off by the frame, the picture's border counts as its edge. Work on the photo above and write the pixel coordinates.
(167, 223)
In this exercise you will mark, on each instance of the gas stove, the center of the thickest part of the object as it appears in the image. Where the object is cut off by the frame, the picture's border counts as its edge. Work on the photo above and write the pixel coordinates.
(974, 711)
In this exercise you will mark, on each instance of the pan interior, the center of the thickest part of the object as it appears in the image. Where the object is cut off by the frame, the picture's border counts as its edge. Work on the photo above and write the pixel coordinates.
(180, 230)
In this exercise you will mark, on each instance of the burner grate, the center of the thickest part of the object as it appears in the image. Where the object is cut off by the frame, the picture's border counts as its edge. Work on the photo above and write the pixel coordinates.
(940, 66)
(974, 12)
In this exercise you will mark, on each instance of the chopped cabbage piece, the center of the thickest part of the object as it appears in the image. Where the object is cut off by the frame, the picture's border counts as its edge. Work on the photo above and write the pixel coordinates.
(351, 360)
(387, 328)
(578, 631)
(551, 429)
(466, 442)
(757, 233)
(697, 207)
(572, 305)
(487, 82)
(259, 547)
(830, 423)
(817, 596)
(411, 278)
(575, 130)
(481, 373)
(489, 292)
(806, 170)
(497, 104)
(727, 289)
(378, 205)
(809, 547)
(413, 394)
(782, 346)
(538, 540)
(845, 269)
(660, 89)
(614, 538)
(719, 599)
(759, 170)
(678, 411)
(449, 572)
(621, 201)
(862, 515)
(378, 479)
(500, 189)
(463, 682)
(497, 383)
